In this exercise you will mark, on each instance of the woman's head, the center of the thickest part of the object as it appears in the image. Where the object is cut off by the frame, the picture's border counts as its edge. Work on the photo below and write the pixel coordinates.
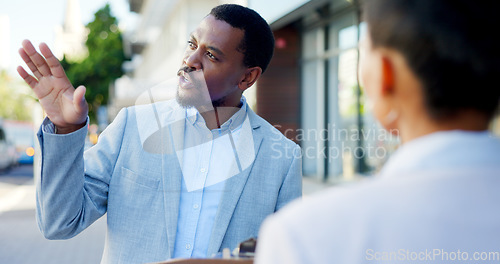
(448, 48)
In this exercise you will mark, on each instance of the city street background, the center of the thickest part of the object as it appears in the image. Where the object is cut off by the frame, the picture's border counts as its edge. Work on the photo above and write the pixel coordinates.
(21, 241)
(309, 92)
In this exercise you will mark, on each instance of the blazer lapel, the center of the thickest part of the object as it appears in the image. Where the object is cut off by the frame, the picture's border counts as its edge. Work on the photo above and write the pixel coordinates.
(232, 192)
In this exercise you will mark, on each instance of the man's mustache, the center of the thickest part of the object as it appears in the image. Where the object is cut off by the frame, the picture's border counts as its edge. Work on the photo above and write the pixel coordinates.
(185, 69)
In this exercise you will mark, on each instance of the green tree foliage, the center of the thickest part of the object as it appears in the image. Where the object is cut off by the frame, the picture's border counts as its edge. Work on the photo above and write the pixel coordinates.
(104, 62)
(16, 98)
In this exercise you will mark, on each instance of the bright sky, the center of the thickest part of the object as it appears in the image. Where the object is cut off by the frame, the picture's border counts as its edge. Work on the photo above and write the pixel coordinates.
(274, 9)
(36, 19)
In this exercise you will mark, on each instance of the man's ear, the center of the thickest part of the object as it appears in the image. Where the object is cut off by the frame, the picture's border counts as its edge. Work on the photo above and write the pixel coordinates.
(251, 76)
(388, 73)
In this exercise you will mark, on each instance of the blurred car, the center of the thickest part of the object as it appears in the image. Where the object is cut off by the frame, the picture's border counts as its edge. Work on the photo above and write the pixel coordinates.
(8, 157)
(22, 135)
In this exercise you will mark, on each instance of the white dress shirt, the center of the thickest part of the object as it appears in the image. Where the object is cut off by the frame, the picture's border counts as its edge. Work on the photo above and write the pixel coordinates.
(437, 200)
(209, 159)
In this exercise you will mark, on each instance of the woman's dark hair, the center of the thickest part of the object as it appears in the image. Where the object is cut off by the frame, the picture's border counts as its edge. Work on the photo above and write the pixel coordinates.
(449, 45)
(258, 40)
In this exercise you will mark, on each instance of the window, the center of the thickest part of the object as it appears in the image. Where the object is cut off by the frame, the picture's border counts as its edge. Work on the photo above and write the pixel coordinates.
(340, 138)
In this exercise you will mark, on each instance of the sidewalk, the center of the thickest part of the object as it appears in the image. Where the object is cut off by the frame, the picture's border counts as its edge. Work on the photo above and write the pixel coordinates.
(20, 239)
(311, 185)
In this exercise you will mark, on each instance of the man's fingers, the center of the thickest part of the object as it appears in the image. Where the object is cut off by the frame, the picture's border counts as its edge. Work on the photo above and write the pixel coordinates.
(54, 64)
(36, 58)
(79, 99)
(30, 80)
(29, 63)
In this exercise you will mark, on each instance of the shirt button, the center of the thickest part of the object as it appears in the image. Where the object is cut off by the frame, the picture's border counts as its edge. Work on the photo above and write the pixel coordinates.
(209, 136)
(203, 170)
(196, 206)
(188, 246)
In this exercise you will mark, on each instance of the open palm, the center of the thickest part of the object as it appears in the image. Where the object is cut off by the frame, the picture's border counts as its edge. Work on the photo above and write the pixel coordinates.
(65, 106)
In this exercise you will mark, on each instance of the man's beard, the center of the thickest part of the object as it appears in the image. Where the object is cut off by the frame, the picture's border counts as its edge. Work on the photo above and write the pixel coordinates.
(195, 101)
(188, 101)
(199, 96)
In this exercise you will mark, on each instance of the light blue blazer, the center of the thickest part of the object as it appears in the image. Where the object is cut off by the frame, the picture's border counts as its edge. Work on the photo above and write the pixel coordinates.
(137, 182)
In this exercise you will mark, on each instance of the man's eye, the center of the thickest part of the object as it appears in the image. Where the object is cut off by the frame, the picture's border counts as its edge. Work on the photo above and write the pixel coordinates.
(191, 45)
(211, 56)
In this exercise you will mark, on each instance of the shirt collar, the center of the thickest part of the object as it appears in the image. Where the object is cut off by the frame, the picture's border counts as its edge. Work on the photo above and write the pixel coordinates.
(442, 149)
(193, 116)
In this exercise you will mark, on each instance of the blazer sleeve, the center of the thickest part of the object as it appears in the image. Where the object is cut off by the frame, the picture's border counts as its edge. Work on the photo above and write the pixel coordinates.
(291, 188)
(68, 197)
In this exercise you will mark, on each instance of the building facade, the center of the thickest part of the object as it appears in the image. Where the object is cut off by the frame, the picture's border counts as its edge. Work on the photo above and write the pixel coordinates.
(71, 36)
(5, 43)
(311, 92)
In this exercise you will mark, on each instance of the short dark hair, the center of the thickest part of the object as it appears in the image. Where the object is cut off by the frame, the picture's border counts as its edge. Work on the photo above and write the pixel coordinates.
(258, 42)
(448, 44)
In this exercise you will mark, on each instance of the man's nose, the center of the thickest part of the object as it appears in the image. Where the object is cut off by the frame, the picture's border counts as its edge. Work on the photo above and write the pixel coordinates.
(192, 60)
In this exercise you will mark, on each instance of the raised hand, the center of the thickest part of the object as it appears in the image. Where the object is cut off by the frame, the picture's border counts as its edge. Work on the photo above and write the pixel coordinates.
(65, 106)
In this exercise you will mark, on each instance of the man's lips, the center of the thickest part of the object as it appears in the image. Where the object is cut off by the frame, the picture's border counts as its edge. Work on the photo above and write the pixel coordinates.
(184, 80)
